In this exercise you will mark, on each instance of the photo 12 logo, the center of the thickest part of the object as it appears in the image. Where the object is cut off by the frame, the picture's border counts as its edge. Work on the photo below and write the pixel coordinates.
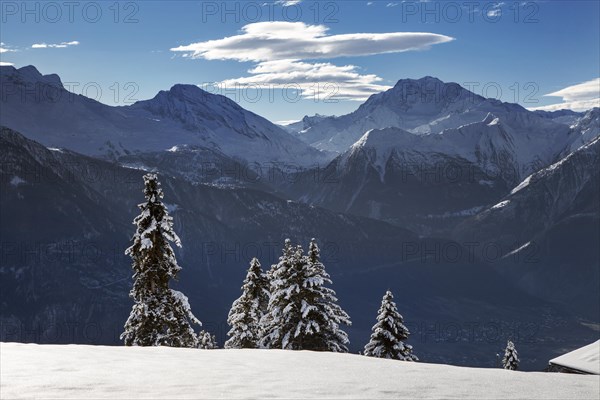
(52, 12)
(525, 12)
(318, 12)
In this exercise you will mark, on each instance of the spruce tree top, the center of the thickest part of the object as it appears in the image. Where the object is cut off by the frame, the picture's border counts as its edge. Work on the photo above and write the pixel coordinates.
(389, 317)
(154, 229)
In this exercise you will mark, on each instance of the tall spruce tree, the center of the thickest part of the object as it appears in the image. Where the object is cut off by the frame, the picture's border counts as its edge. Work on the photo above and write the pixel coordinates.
(321, 307)
(302, 313)
(248, 310)
(511, 357)
(389, 333)
(278, 318)
(160, 316)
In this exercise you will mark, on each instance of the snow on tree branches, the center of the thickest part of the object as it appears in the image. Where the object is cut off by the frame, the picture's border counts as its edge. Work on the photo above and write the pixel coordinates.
(160, 316)
(511, 357)
(248, 310)
(302, 313)
(389, 333)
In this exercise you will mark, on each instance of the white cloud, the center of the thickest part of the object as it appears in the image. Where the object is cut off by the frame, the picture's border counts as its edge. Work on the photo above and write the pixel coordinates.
(280, 50)
(266, 41)
(5, 49)
(54, 46)
(580, 91)
(317, 81)
(579, 97)
(288, 3)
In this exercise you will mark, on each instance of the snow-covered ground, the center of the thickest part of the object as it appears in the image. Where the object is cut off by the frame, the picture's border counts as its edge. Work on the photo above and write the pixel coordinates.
(75, 371)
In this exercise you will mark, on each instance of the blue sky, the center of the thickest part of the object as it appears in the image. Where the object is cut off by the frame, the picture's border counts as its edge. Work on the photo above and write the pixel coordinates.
(337, 53)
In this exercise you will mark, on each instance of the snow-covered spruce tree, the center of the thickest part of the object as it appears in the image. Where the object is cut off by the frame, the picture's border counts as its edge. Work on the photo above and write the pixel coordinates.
(278, 277)
(511, 357)
(247, 311)
(302, 313)
(389, 333)
(160, 316)
(207, 341)
(321, 314)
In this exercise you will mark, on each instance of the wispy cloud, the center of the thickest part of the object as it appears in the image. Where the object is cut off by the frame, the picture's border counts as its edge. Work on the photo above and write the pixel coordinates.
(579, 97)
(281, 49)
(5, 48)
(267, 41)
(323, 81)
(54, 45)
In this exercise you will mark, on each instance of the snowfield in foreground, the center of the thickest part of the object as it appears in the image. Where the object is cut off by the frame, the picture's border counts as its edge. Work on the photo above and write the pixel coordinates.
(75, 371)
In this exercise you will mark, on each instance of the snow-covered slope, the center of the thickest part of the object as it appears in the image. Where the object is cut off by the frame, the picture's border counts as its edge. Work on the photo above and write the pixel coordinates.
(75, 372)
(584, 130)
(491, 144)
(183, 115)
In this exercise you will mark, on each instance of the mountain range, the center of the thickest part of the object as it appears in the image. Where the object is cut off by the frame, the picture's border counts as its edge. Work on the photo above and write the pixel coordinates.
(183, 115)
(473, 211)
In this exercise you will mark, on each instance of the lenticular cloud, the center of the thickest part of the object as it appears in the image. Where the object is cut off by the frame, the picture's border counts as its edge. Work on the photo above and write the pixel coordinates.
(278, 40)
